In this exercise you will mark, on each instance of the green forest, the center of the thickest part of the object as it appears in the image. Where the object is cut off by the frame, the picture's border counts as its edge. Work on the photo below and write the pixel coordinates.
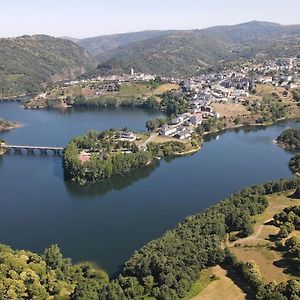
(294, 163)
(290, 139)
(27, 275)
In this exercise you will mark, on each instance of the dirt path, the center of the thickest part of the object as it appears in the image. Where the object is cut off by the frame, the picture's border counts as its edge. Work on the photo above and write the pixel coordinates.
(222, 289)
(144, 145)
(254, 237)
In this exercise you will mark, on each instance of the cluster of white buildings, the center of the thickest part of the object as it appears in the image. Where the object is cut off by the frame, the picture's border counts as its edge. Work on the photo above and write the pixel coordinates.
(183, 125)
(235, 84)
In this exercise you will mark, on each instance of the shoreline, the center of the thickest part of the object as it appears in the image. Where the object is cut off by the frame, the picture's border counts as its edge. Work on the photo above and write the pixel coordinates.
(241, 126)
(192, 151)
(11, 127)
(224, 130)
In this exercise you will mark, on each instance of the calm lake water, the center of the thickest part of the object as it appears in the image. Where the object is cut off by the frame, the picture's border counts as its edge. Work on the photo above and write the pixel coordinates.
(106, 222)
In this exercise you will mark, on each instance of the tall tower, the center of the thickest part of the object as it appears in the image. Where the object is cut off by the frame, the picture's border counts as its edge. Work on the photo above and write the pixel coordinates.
(132, 72)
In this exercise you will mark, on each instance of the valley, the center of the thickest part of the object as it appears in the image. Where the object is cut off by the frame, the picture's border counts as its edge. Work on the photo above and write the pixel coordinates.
(122, 148)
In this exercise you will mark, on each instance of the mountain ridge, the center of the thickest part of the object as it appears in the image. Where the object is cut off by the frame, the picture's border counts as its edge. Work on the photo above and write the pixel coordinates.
(180, 53)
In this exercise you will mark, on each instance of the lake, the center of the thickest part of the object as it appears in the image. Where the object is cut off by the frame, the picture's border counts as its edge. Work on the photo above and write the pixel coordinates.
(106, 222)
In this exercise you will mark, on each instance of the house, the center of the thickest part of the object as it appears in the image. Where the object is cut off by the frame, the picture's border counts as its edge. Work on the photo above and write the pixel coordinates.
(265, 79)
(196, 119)
(178, 119)
(84, 157)
(128, 135)
(184, 134)
(167, 130)
(175, 121)
(207, 108)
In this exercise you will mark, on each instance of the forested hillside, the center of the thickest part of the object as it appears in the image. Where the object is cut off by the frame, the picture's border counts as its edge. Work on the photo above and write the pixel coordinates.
(28, 62)
(102, 45)
(181, 53)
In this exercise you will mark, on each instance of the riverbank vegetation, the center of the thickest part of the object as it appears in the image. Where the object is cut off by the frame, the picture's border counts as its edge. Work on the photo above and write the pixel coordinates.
(2, 149)
(289, 139)
(99, 155)
(26, 275)
(102, 94)
(294, 164)
(8, 125)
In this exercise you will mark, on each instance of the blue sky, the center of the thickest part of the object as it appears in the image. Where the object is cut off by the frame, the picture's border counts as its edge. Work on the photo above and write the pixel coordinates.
(84, 18)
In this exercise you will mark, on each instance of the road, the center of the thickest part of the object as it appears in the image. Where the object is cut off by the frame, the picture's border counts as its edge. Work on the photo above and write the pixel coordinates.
(144, 145)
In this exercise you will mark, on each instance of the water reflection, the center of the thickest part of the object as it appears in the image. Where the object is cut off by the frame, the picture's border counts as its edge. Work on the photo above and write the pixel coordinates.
(114, 183)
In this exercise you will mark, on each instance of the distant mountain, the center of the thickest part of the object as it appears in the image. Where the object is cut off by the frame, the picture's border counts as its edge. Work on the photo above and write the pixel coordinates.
(180, 53)
(103, 44)
(69, 38)
(246, 31)
(29, 62)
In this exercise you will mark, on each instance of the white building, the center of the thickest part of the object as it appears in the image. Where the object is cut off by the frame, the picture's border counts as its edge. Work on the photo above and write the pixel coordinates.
(129, 136)
(185, 134)
(167, 130)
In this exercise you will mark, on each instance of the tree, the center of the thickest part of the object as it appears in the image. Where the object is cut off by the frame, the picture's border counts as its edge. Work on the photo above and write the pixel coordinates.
(296, 194)
(86, 289)
(53, 257)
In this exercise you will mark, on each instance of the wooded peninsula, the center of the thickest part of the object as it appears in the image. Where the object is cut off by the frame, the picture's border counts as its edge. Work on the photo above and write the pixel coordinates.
(99, 155)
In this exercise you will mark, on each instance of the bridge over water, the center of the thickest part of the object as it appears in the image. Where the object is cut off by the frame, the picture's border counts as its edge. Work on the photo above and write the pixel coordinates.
(31, 149)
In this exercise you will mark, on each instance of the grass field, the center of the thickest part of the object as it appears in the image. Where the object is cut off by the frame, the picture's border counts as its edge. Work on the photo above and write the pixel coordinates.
(264, 258)
(165, 139)
(230, 110)
(165, 88)
(259, 247)
(134, 89)
(206, 277)
(137, 89)
(268, 89)
(222, 289)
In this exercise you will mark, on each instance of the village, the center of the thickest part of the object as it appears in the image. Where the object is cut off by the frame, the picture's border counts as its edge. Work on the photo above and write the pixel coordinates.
(226, 93)
(231, 87)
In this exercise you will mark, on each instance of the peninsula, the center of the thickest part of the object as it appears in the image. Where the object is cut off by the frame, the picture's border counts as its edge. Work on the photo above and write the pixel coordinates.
(8, 125)
(99, 155)
(290, 139)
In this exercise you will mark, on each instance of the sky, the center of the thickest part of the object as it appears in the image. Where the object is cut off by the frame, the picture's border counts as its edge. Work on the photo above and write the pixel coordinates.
(86, 18)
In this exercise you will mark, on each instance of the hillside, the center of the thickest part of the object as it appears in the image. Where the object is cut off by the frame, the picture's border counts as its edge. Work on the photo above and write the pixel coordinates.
(177, 54)
(28, 62)
(101, 45)
(180, 53)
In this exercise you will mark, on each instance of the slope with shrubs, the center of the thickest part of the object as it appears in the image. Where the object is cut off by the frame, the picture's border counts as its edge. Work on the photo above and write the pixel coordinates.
(28, 63)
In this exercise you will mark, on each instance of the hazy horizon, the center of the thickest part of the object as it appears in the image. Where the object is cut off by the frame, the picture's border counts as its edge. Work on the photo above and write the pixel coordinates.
(94, 18)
